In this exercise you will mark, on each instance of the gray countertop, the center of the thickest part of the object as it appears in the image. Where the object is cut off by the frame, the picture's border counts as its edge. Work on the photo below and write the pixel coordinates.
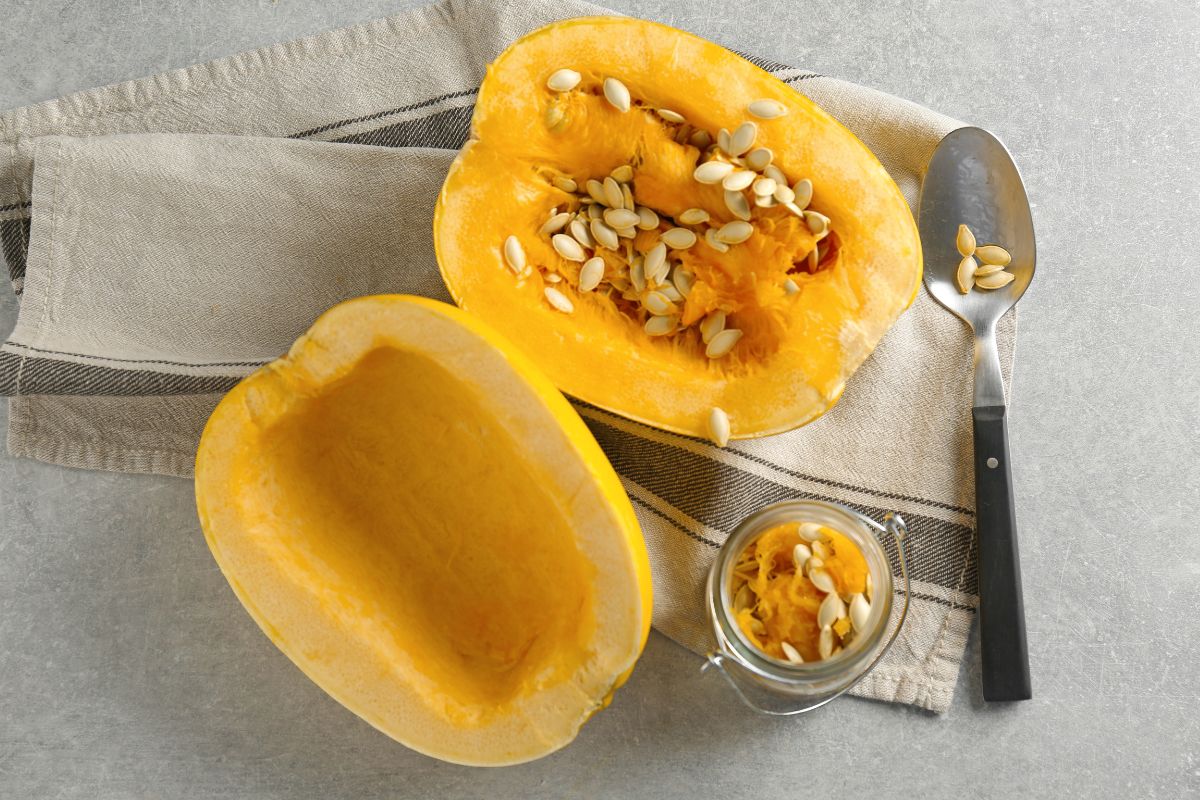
(127, 669)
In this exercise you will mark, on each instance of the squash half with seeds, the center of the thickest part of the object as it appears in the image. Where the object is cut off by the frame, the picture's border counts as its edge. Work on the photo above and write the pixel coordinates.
(666, 229)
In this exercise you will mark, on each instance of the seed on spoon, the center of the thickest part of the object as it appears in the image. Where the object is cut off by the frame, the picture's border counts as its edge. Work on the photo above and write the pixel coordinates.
(563, 80)
(591, 273)
(965, 275)
(987, 269)
(996, 280)
(993, 254)
(617, 94)
(965, 241)
(718, 426)
(767, 109)
(514, 254)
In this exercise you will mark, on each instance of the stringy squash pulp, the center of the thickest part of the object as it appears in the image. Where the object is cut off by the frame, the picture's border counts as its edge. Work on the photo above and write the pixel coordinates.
(667, 229)
(420, 521)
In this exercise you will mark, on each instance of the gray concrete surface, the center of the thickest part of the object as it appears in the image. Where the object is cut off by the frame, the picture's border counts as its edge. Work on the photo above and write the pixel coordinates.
(128, 670)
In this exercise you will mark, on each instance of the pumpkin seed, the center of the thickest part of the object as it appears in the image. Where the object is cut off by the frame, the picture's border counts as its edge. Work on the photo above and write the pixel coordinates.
(738, 180)
(563, 80)
(671, 292)
(637, 275)
(712, 171)
(822, 580)
(987, 269)
(622, 174)
(613, 197)
(693, 216)
(737, 204)
(656, 263)
(811, 532)
(813, 563)
(821, 550)
(756, 625)
(684, 280)
(626, 233)
(553, 277)
(617, 94)
(791, 653)
(554, 224)
(800, 555)
(764, 187)
(514, 254)
(764, 201)
(817, 222)
(555, 117)
(860, 611)
(567, 247)
(591, 273)
(595, 190)
(658, 304)
(742, 139)
(621, 218)
(767, 109)
(710, 238)
(627, 196)
(671, 116)
(559, 300)
(825, 643)
(870, 587)
(718, 427)
(647, 219)
(791, 287)
(713, 324)
(965, 241)
(996, 280)
(579, 231)
(735, 232)
(604, 235)
(723, 140)
(565, 184)
(661, 326)
(758, 158)
(803, 189)
(744, 598)
(993, 254)
(701, 140)
(832, 609)
(679, 238)
(814, 259)
(775, 173)
(722, 343)
(595, 211)
(965, 276)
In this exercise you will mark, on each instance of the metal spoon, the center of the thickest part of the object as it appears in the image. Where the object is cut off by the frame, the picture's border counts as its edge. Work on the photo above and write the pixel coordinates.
(972, 180)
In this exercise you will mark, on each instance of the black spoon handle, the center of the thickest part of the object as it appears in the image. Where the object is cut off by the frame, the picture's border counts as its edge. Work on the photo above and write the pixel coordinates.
(1001, 607)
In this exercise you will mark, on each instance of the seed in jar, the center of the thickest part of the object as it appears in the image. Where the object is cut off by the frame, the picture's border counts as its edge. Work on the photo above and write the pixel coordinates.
(563, 80)
(800, 556)
(617, 94)
(825, 643)
(860, 611)
(791, 653)
(831, 610)
(820, 579)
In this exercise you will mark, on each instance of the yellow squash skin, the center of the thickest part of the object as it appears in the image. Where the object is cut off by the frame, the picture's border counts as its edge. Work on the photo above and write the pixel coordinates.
(421, 522)
(797, 352)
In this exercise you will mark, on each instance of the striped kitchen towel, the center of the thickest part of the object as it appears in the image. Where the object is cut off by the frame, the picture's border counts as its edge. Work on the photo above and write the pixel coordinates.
(166, 236)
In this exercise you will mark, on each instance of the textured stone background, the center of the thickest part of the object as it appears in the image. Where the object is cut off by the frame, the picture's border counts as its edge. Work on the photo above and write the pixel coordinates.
(128, 670)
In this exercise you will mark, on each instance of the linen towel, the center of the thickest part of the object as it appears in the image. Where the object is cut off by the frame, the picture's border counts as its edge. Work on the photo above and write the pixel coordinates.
(166, 236)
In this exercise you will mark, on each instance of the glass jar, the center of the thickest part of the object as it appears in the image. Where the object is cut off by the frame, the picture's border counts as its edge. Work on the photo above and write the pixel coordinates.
(773, 686)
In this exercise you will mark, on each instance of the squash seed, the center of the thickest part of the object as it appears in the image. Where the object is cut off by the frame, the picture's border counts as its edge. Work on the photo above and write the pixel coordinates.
(791, 653)
(514, 254)
(800, 556)
(742, 139)
(965, 241)
(701, 140)
(559, 300)
(764, 187)
(637, 275)
(658, 304)
(595, 190)
(679, 238)
(756, 625)
(555, 224)
(563, 80)
(817, 222)
(553, 277)
(758, 158)
(693, 216)
(622, 174)
(870, 587)
(579, 230)
(965, 276)
(555, 117)
(737, 204)
(764, 201)
(565, 184)
(767, 109)
(723, 140)
(996, 280)
(612, 193)
(735, 232)
(617, 94)
(993, 254)
(791, 287)
(647, 218)
(671, 116)
(712, 171)
(860, 611)
(626, 233)
(713, 324)
(784, 193)
(591, 273)
(684, 280)
(661, 326)
(604, 235)
(831, 610)
(656, 263)
(710, 238)
(811, 532)
(738, 180)
(595, 211)
(775, 173)
(987, 269)
(670, 291)
(567, 247)
(825, 643)
(718, 427)
(627, 196)
(821, 550)
(722, 343)
(744, 598)
(803, 189)
(822, 580)
(813, 563)
(621, 217)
